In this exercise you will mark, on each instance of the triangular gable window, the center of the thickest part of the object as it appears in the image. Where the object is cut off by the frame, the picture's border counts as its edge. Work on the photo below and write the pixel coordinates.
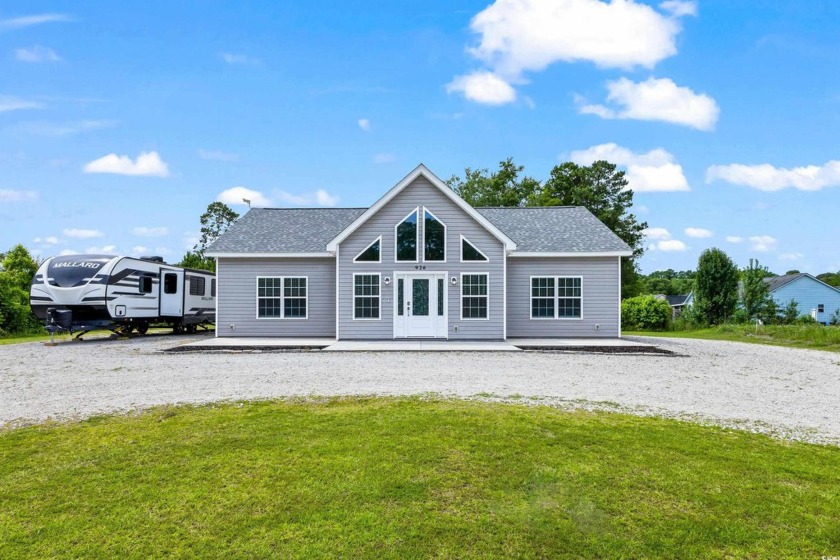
(406, 238)
(372, 253)
(469, 252)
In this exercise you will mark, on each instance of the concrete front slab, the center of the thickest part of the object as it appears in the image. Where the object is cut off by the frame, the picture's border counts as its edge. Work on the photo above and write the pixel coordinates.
(575, 342)
(421, 346)
(254, 343)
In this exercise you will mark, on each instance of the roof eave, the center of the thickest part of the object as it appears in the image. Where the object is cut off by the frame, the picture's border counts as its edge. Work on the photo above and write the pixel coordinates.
(571, 254)
(228, 255)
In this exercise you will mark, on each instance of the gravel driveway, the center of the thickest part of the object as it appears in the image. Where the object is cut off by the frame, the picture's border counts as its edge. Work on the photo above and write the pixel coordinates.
(785, 392)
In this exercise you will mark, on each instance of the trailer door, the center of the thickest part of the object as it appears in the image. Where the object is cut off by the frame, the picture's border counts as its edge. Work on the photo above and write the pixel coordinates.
(171, 292)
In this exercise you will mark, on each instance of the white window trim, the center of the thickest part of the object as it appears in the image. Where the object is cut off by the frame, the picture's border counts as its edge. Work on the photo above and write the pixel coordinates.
(372, 243)
(282, 316)
(416, 238)
(461, 299)
(461, 251)
(445, 237)
(556, 298)
(379, 297)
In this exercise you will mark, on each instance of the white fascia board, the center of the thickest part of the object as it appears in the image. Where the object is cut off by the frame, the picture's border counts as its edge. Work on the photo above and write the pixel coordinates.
(270, 255)
(573, 254)
(398, 188)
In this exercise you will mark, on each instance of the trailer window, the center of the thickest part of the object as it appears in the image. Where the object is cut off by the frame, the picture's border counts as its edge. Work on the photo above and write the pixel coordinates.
(197, 286)
(145, 284)
(170, 283)
(213, 287)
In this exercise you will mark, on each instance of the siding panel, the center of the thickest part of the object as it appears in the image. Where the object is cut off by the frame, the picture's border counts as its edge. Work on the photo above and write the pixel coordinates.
(422, 193)
(237, 297)
(599, 304)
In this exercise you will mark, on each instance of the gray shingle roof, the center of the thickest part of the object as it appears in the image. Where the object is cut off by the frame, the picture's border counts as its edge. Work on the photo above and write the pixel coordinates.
(285, 230)
(566, 229)
(776, 282)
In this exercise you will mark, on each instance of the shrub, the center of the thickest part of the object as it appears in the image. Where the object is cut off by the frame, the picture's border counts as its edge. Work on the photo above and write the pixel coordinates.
(645, 313)
(805, 320)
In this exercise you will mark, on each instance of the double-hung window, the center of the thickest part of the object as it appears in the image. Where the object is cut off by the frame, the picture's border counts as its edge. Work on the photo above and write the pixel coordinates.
(556, 297)
(474, 295)
(366, 296)
(282, 297)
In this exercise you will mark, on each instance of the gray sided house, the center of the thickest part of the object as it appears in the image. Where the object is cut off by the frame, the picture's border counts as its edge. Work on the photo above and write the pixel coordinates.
(419, 263)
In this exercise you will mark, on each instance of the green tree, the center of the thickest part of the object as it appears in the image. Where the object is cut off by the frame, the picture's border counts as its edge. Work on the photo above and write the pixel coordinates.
(755, 293)
(214, 222)
(194, 259)
(504, 187)
(645, 313)
(716, 286)
(18, 268)
(599, 187)
(791, 312)
(830, 278)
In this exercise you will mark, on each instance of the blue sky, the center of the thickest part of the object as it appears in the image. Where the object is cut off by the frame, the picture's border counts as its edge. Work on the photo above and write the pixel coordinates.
(120, 123)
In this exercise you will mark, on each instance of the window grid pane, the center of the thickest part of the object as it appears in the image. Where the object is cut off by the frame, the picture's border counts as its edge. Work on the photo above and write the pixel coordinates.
(366, 296)
(474, 296)
(279, 298)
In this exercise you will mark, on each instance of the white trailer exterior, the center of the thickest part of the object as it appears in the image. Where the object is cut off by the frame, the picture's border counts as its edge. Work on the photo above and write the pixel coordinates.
(122, 293)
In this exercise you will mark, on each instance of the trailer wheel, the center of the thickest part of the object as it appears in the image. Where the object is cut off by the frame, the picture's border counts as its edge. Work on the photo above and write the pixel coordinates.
(143, 328)
(177, 328)
(190, 329)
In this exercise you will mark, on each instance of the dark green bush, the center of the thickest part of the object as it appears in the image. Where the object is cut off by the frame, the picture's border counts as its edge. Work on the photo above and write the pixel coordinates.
(645, 313)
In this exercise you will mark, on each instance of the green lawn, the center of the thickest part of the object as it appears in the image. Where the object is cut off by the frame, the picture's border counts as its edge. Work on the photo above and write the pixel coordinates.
(816, 337)
(409, 478)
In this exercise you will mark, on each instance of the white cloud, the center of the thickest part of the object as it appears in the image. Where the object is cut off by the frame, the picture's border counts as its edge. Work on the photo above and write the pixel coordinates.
(656, 100)
(11, 103)
(529, 35)
(82, 233)
(318, 198)
(139, 250)
(483, 87)
(36, 54)
(66, 128)
(383, 158)
(105, 249)
(364, 124)
(642, 209)
(51, 240)
(671, 245)
(698, 233)
(790, 256)
(26, 21)
(163, 250)
(66, 252)
(11, 195)
(150, 231)
(190, 239)
(679, 8)
(217, 156)
(657, 233)
(147, 164)
(241, 59)
(654, 171)
(734, 239)
(763, 243)
(235, 195)
(766, 177)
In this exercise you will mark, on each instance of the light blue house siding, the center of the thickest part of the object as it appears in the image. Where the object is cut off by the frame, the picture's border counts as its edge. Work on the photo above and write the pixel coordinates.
(809, 294)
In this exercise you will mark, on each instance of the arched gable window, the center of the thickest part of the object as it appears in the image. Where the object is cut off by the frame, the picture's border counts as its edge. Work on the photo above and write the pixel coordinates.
(434, 238)
(406, 238)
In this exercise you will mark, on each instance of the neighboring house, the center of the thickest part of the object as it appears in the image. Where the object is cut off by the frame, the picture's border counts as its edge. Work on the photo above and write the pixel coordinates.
(420, 262)
(813, 296)
(677, 303)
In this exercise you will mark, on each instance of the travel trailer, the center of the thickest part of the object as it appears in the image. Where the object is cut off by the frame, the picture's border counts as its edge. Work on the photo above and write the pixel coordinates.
(80, 293)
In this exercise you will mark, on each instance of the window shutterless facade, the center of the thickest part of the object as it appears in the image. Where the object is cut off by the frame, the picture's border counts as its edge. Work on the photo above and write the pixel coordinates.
(474, 296)
(556, 297)
(282, 297)
(372, 253)
(434, 238)
(406, 234)
(366, 296)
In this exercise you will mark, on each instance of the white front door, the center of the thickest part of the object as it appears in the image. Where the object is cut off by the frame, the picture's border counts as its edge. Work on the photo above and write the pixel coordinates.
(420, 305)
(171, 292)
